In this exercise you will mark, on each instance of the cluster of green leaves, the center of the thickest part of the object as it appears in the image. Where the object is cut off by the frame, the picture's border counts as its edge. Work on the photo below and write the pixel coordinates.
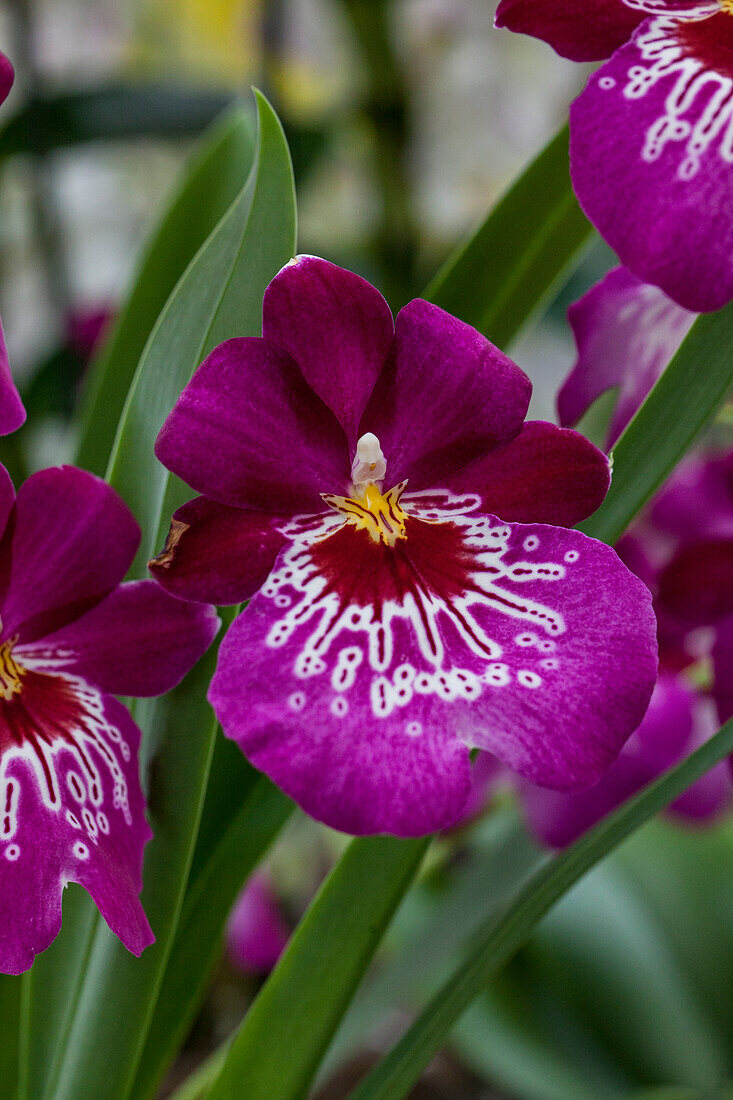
(93, 1020)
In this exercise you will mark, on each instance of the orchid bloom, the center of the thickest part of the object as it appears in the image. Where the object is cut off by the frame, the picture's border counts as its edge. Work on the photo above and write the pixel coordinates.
(256, 932)
(626, 333)
(416, 591)
(72, 637)
(12, 413)
(651, 136)
(683, 548)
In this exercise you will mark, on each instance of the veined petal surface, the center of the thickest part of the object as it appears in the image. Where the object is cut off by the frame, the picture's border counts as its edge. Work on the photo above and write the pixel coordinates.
(626, 332)
(545, 474)
(69, 541)
(338, 329)
(361, 673)
(651, 153)
(445, 397)
(71, 811)
(249, 431)
(217, 553)
(138, 641)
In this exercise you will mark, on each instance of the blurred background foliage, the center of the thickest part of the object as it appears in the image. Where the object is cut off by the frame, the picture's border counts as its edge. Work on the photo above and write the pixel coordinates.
(406, 120)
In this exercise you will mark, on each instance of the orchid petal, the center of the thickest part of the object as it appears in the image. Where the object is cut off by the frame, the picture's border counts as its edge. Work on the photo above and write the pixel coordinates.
(544, 475)
(73, 812)
(217, 554)
(583, 30)
(138, 641)
(338, 329)
(249, 431)
(446, 397)
(69, 541)
(655, 125)
(12, 413)
(361, 672)
(626, 332)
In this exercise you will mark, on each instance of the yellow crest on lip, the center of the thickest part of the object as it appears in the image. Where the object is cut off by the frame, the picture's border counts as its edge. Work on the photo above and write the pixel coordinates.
(11, 672)
(378, 513)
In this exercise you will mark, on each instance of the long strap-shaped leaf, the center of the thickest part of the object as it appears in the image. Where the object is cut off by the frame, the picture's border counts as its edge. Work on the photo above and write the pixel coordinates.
(219, 296)
(210, 186)
(395, 1075)
(683, 401)
(275, 1056)
(510, 265)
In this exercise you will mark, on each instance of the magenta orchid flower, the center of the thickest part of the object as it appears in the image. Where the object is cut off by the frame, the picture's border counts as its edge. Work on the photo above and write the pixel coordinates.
(651, 136)
(626, 333)
(353, 469)
(12, 413)
(256, 932)
(72, 637)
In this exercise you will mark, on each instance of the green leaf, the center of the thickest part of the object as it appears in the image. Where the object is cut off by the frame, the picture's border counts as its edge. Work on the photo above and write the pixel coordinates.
(210, 186)
(290, 1024)
(219, 296)
(512, 263)
(211, 894)
(111, 112)
(503, 936)
(683, 401)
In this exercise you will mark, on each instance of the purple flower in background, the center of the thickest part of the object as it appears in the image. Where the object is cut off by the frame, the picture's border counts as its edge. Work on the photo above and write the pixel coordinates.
(353, 470)
(12, 413)
(651, 136)
(626, 333)
(71, 637)
(256, 933)
(683, 549)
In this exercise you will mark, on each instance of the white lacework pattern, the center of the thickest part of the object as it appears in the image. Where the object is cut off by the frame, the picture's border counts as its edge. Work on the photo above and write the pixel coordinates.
(305, 597)
(78, 793)
(702, 9)
(665, 56)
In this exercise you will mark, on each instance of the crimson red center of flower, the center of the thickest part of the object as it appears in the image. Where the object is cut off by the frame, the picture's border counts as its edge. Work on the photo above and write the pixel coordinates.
(433, 558)
(710, 41)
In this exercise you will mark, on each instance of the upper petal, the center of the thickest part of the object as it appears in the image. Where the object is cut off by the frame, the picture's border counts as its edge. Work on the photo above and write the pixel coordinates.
(249, 431)
(583, 30)
(138, 641)
(336, 326)
(445, 397)
(544, 475)
(650, 156)
(12, 413)
(216, 553)
(361, 670)
(69, 541)
(74, 812)
(626, 332)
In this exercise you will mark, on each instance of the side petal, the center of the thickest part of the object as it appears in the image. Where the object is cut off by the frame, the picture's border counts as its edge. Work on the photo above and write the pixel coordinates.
(69, 541)
(12, 413)
(249, 431)
(138, 641)
(650, 156)
(363, 670)
(73, 812)
(583, 30)
(217, 554)
(338, 329)
(544, 475)
(626, 332)
(446, 397)
(660, 741)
